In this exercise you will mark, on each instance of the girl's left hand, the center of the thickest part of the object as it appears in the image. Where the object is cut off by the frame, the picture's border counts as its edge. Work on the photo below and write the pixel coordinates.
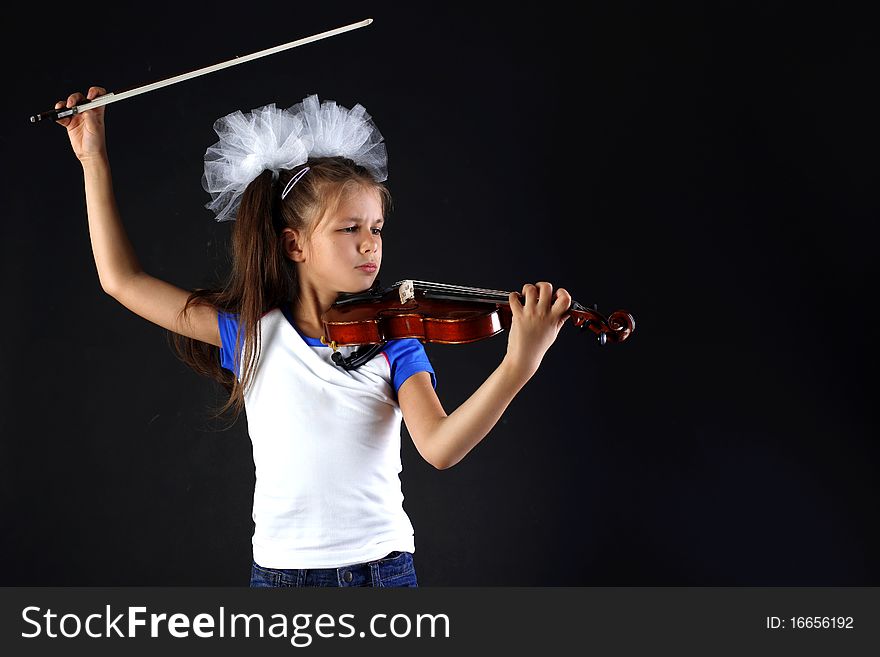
(535, 325)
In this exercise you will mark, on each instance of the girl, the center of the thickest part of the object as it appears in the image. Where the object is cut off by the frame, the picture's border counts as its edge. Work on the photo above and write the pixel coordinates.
(304, 186)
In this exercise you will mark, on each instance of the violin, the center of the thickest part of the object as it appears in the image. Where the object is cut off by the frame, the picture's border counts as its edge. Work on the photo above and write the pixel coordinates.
(439, 313)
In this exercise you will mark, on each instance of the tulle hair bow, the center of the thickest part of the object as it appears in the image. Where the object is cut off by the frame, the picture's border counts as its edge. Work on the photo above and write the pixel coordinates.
(275, 139)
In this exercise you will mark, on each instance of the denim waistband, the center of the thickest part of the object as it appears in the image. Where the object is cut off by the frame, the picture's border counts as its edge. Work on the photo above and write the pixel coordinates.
(393, 565)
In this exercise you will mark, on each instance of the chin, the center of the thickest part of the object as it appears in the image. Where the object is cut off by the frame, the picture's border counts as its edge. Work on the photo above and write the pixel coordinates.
(364, 284)
(357, 289)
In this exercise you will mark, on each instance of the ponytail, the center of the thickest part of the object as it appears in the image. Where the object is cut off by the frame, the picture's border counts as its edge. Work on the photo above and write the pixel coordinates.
(262, 277)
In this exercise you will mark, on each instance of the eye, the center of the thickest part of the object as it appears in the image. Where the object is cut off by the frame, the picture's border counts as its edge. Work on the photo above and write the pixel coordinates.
(349, 229)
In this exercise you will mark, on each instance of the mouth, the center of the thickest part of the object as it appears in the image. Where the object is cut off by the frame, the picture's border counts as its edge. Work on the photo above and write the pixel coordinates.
(369, 268)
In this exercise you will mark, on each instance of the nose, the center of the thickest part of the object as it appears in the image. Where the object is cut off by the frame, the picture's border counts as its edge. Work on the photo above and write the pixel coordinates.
(370, 244)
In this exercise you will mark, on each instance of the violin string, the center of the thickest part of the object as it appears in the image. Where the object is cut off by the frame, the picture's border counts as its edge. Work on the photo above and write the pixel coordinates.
(466, 292)
(478, 292)
(445, 287)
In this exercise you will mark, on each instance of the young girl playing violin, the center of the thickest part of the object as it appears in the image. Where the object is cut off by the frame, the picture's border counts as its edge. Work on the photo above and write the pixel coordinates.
(305, 188)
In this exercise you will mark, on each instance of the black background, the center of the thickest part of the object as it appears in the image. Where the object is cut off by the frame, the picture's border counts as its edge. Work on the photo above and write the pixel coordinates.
(710, 168)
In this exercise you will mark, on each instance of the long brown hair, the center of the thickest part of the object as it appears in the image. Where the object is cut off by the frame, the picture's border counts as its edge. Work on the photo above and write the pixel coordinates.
(262, 277)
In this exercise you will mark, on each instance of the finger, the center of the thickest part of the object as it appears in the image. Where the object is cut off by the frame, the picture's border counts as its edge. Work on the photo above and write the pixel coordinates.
(60, 105)
(563, 300)
(545, 294)
(530, 293)
(94, 92)
(73, 99)
(515, 305)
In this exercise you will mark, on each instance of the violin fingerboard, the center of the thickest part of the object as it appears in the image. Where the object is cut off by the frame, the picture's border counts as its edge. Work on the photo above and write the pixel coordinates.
(465, 298)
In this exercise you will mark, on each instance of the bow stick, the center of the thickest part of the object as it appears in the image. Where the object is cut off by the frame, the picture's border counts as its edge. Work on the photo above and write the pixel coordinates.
(111, 97)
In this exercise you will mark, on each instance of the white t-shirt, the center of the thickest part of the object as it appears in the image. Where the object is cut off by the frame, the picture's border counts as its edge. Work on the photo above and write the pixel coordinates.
(326, 445)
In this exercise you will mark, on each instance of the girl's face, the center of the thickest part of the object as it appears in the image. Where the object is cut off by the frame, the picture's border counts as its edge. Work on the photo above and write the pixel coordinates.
(343, 242)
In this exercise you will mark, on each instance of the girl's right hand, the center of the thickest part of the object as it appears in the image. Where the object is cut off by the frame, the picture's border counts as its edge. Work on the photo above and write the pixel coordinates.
(85, 129)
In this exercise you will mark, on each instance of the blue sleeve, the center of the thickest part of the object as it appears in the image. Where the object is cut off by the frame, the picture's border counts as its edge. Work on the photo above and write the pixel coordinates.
(407, 357)
(229, 358)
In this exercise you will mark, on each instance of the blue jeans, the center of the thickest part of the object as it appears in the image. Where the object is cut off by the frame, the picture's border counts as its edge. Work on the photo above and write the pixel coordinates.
(395, 569)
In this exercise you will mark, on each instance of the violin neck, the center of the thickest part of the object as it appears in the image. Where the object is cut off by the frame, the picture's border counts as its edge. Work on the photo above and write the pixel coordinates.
(431, 290)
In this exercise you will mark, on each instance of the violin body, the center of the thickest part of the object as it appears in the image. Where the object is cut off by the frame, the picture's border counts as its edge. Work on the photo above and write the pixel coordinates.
(444, 314)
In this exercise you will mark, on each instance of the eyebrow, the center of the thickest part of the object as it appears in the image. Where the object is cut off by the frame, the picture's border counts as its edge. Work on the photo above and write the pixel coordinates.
(360, 220)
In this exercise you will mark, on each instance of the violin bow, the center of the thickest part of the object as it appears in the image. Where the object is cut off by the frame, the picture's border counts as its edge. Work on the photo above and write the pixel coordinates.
(111, 97)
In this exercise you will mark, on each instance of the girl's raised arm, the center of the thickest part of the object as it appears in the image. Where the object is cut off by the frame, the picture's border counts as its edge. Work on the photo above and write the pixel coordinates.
(119, 270)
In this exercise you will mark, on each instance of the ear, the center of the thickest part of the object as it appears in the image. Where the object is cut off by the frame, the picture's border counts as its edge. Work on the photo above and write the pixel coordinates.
(292, 241)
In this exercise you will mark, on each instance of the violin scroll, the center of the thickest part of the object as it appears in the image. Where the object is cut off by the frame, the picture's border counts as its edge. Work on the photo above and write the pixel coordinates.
(617, 327)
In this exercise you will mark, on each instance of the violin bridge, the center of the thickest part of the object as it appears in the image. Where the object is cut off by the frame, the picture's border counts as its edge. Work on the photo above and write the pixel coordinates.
(406, 291)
